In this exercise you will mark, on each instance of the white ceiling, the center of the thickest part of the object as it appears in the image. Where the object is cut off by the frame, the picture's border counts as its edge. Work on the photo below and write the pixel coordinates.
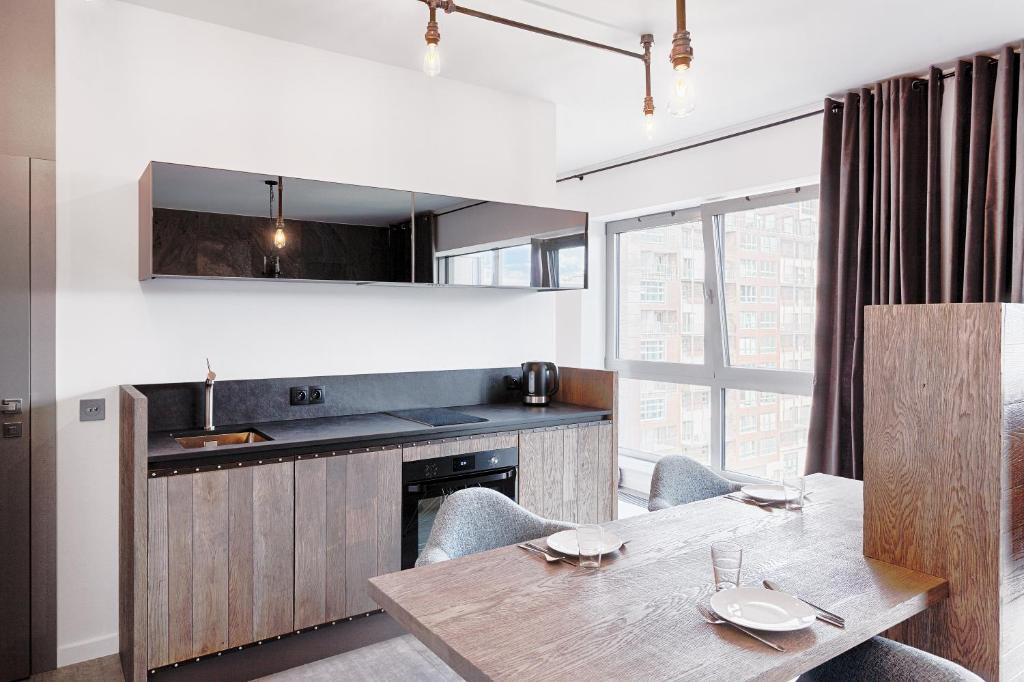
(754, 58)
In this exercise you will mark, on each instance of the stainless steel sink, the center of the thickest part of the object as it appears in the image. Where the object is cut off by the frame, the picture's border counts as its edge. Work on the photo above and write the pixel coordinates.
(212, 440)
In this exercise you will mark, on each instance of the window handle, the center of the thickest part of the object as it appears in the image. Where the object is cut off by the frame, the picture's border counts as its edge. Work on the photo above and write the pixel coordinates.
(709, 295)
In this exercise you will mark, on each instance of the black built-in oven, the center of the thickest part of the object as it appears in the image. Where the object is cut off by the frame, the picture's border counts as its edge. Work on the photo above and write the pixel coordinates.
(426, 483)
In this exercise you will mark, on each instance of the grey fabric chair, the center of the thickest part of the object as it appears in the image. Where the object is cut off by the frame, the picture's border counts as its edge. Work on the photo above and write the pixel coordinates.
(477, 519)
(883, 660)
(680, 480)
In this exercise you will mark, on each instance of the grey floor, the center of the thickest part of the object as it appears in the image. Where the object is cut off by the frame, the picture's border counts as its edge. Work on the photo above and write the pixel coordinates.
(396, 660)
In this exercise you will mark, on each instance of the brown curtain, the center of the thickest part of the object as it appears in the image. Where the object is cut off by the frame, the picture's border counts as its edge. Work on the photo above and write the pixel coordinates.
(892, 231)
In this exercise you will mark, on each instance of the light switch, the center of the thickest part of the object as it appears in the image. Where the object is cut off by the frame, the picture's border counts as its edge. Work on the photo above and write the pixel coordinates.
(92, 410)
(12, 430)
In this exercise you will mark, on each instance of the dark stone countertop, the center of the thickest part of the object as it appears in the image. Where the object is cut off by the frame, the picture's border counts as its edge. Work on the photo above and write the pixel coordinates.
(361, 430)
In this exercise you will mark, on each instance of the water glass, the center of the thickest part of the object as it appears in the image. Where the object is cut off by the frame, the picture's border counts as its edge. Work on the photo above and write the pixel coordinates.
(794, 488)
(589, 538)
(726, 560)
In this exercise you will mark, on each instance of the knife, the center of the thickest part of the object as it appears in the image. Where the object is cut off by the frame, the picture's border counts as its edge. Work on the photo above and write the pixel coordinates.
(823, 614)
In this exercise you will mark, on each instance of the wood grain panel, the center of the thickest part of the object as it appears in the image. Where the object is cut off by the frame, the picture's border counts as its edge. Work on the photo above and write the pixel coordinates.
(933, 466)
(588, 454)
(179, 567)
(531, 470)
(310, 542)
(607, 474)
(211, 543)
(554, 465)
(570, 467)
(336, 543)
(158, 653)
(589, 387)
(389, 511)
(240, 557)
(636, 618)
(361, 524)
(273, 549)
(458, 446)
(133, 543)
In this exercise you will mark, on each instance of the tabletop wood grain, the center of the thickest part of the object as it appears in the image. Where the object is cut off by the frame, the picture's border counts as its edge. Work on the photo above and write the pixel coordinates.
(506, 615)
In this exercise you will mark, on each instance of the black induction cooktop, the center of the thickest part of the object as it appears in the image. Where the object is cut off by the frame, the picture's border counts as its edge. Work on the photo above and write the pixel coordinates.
(436, 416)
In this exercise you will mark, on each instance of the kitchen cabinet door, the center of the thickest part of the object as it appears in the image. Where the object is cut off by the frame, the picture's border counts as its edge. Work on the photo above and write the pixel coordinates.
(347, 523)
(569, 473)
(220, 560)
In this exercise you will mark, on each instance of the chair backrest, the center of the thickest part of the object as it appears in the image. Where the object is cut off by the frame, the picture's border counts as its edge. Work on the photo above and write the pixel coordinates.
(681, 480)
(477, 519)
(883, 660)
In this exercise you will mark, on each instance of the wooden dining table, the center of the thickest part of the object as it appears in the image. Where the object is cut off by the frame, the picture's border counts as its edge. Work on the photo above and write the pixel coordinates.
(506, 614)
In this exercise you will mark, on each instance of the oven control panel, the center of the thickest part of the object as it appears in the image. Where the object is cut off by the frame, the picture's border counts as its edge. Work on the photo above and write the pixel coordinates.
(472, 462)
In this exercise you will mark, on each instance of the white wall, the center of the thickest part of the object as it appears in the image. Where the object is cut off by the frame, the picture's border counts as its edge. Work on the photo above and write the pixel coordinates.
(135, 85)
(777, 158)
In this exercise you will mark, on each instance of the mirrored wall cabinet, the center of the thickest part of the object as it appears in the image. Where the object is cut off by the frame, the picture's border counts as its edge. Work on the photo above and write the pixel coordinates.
(219, 224)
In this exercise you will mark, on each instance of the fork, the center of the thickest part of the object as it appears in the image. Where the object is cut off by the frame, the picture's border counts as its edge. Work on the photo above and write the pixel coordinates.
(548, 556)
(767, 506)
(711, 618)
(551, 559)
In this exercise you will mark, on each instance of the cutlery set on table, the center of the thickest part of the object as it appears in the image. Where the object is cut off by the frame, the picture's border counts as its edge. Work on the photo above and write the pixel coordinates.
(789, 493)
(767, 608)
(581, 547)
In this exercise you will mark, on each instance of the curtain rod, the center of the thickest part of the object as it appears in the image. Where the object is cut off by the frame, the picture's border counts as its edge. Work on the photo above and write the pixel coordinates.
(722, 138)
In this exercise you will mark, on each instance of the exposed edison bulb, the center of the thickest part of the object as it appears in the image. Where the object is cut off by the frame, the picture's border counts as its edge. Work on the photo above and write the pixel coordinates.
(683, 99)
(649, 126)
(432, 60)
(280, 239)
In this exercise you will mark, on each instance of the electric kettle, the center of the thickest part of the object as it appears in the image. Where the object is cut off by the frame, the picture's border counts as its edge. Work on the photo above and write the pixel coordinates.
(539, 382)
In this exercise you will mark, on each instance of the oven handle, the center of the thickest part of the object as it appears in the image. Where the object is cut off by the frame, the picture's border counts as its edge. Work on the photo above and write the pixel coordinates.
(419, 488)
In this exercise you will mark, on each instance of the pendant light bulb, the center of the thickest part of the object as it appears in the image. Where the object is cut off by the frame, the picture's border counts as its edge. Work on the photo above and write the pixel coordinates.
(683, 98)
(280, 239)
(649, 127)
(432, 60)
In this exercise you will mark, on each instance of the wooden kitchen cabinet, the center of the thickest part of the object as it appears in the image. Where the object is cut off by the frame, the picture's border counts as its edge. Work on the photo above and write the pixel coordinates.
(348, 512)
(569, 473)
(219, 560)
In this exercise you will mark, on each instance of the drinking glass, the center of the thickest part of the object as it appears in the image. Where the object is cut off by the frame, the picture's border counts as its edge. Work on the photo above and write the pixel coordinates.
(794, 487)
(726, 560)
(589, 538)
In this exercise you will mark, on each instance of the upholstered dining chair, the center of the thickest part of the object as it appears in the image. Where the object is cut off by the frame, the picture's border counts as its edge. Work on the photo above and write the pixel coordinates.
(477, 519)
(681, 480)
(883, 660)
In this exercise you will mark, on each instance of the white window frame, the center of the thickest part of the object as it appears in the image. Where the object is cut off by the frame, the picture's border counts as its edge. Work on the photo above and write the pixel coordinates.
(714, 372)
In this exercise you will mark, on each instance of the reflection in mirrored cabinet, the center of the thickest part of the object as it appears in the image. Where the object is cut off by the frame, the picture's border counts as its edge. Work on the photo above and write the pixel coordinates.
(209, 223)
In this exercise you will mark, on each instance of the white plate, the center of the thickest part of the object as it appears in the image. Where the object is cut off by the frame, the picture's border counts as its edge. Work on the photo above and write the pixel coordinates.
(761, 609)
(564, 542)
(765, 492)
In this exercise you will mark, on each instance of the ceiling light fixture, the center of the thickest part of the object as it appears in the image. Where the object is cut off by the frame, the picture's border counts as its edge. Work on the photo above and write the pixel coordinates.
(682, 100)
(280, 238)
(432, 58)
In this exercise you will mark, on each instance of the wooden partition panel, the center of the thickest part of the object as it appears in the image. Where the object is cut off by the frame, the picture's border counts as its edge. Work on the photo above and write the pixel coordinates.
(941, 428)
(347, 530)
(566, 472)
(220, 552)
(132, 545)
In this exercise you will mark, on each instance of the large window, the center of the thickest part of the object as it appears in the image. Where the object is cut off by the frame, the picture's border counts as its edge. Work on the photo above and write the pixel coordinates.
(711, 326)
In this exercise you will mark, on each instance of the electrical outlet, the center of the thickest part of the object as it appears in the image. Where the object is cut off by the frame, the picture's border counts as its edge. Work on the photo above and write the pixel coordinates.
(92, 410)
(316, 395)
(299, 395)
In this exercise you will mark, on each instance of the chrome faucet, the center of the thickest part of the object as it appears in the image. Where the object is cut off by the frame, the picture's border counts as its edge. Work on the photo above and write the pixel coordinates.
(210, 378)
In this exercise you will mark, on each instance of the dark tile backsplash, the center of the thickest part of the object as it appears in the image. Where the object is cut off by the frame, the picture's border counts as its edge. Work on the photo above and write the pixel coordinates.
(180, 406)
